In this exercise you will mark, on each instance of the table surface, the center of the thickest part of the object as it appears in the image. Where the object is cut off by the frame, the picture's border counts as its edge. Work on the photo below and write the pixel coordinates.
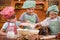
(5, 38)
(2, 37)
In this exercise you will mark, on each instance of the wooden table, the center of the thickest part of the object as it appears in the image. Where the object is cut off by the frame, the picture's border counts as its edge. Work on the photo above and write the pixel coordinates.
(23, 38)
(36, 37)
(49, 37)
(5, 38)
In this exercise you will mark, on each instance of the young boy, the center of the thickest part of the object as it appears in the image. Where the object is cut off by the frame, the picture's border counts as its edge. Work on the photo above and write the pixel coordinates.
(29, 16)
(53, 21)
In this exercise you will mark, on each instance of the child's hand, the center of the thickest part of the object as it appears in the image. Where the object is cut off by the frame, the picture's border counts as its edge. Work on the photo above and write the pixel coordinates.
(25, 24)
(2, 33)
(33, 26)
(36, 24)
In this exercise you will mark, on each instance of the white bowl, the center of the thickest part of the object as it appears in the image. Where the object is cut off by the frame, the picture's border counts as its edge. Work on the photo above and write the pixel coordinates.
(34, 31)
(28, 30)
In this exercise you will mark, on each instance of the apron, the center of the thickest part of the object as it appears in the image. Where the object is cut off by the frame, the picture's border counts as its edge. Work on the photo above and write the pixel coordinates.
(31, 19)
(12, 28)
(54, 26)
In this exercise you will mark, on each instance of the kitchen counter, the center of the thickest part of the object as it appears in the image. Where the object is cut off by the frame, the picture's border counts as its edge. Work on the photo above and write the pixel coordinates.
(33, 37)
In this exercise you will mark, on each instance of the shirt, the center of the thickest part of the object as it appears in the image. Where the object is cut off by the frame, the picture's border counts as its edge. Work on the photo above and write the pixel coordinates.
(47, 20)
(11, 24)
(22, 17)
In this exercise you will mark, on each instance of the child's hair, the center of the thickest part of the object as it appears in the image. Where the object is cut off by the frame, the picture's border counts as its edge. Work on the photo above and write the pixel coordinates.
(12, 17)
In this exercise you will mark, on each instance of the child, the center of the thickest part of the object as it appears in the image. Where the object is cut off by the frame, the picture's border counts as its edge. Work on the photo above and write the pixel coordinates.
(29, 16)
(11, 24)
(53, 21)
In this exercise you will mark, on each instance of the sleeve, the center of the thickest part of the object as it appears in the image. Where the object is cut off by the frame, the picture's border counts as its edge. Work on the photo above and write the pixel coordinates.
(59, 18)
(37, 19)
(21, 18)
(18, 23)
(5, 26)
(45, 22)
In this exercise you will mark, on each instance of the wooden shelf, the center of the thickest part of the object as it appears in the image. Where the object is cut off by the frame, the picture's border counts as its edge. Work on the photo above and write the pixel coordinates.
(39, 4)
(18, 2)
(23, 2)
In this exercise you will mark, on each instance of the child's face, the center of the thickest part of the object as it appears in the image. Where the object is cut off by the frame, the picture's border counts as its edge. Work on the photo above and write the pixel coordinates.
(13, 20)
(30, 10)
(52, 14)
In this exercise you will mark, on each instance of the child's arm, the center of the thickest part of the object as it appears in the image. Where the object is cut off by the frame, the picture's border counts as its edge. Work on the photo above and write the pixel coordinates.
(3, 29)
(25, 24)
(2, 32)
(21, 24)
(43, 23)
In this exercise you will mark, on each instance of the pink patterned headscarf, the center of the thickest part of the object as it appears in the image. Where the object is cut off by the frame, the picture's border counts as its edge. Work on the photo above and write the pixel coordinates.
(7, 12)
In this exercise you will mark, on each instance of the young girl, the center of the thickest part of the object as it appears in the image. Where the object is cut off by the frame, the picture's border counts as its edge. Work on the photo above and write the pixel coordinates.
(53, 21)
(29, 16)
(11, 24)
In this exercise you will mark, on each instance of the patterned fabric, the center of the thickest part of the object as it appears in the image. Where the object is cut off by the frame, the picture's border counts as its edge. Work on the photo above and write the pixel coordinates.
(7, 12)
(53, 8)
(29, 4)
(54, 27)
(5, 26)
